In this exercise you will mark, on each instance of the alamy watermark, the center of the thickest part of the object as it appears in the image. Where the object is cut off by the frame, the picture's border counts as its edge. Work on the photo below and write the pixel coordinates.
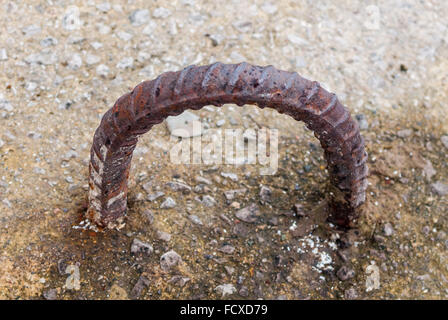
(226, 146)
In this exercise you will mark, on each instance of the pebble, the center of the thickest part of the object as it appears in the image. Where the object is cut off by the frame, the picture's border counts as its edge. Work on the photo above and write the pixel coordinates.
(244, 291)
(269, 8)
(351, 294)
(104, 7)
(440, 188)
(92, 59)
(362, 122)
(5, 104)
(161, 13)
(142, 283)
(153, 196)
(404, 133)
(231, 176)
(265, 194)
(208, 201)
(225, 289)
(229, 270)
(149, 216)
(169, 260)
(231, 194)
(444, 140)
(45, 57)
(75, 62)
(184, 125)
(70, 21)
(195, 219)
(220, 123)
(345, 273)
(228, 249)
(202, 180)
(50, 294)
(179, 186)
(31, 30)
(179, 280)
(168, 203)
(164, 236)
(3, 55)
(102, 70)
(388, 230)
(248, 214)
(2, 143)
(139, 246)
(125, 36)
(139, 17)
(126, 63)
(49, 42)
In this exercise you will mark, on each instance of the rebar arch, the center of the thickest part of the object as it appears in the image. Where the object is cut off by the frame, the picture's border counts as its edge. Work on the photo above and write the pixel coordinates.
(171, 93)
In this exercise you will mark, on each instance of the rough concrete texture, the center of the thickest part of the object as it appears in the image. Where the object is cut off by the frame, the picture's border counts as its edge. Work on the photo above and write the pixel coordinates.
(62, 65)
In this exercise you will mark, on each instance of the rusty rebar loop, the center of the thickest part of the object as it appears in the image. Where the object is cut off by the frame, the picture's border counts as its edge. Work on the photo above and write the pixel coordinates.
(171, 93)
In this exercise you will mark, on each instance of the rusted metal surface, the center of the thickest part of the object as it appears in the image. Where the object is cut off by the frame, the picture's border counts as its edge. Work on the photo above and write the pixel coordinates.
(194, 87)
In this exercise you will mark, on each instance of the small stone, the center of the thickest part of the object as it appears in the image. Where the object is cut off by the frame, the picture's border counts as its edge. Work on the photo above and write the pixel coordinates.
(31, 30)
(294, 39)
(75, 62)
(125, 36)
(231, 176)
(228, 249)
(153, 196)
(92, 59)
(220, 123)
(405, 133)
(216, 39)
(388, 230)
(440, 188)
(244, 291)
(102, 70)
(126, 63)
(104, 7)
(50, 294)
(139, 17)
(3, 55)
(169, 260)
(168, 203)
(208, 201)
(229, 270)
(345, 273)
(240, 230)
(202, 180)
(45, 57)
(179, 186)
(362, 122)
(428, 170)
(142, 283)
(185, 125)
(265, 194)
(164, 236)
(2, 143)
(248, 214)
(351, 294)
(444, 140)
(149, 216)
(161, 13)
(225, 289)
(269, 8)
(71, 20)
(117, 293)
(231, 194)
(195, 219)
(179, 280)
(141, 247)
